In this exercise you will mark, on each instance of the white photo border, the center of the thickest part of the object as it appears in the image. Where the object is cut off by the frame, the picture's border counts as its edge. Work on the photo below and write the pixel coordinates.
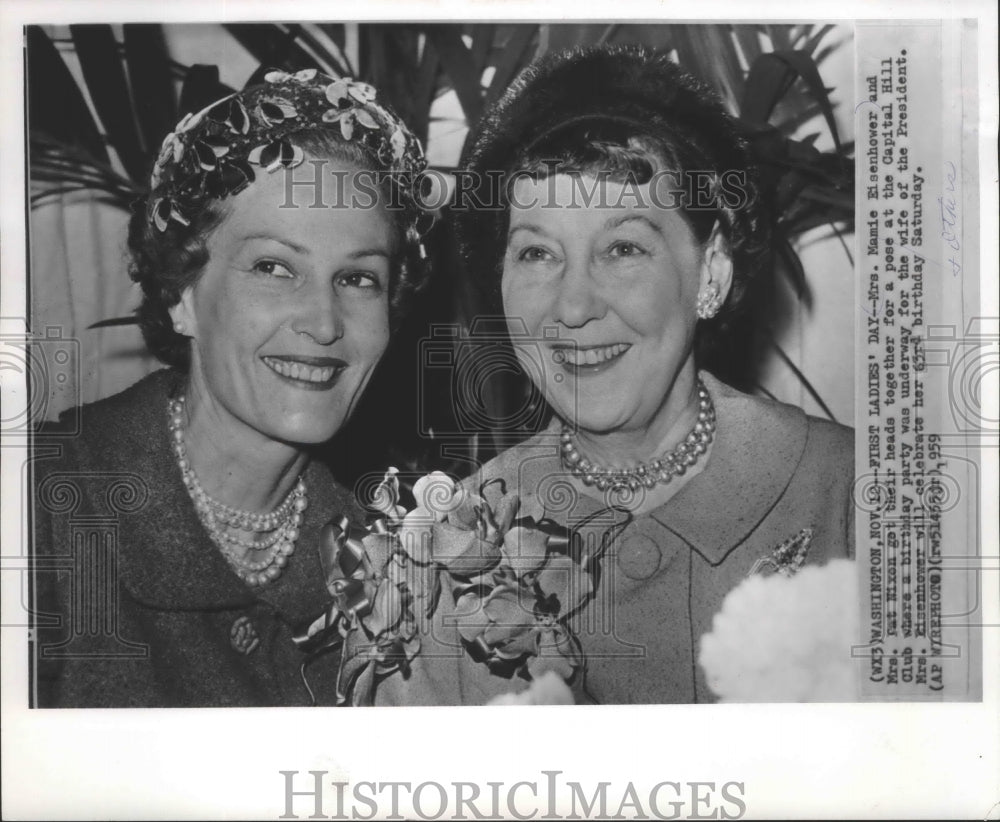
(801, 761)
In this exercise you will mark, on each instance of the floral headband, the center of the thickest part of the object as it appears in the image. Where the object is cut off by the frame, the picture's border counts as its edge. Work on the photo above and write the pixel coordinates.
(214, 153)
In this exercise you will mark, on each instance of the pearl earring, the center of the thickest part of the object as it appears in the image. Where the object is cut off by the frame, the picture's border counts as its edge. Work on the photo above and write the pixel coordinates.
(179, 327)
(709, 303)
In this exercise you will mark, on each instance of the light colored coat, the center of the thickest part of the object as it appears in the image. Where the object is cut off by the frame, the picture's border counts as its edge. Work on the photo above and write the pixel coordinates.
(774, 474)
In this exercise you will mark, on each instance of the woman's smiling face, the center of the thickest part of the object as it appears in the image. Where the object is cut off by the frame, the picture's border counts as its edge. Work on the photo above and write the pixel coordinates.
(617, 283)
(290, 315)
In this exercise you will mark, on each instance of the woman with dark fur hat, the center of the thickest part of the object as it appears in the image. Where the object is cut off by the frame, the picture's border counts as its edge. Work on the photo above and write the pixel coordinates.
(628, 226)
(272, 313)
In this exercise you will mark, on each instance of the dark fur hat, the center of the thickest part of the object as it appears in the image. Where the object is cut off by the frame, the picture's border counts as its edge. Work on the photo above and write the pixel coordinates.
(629, 85)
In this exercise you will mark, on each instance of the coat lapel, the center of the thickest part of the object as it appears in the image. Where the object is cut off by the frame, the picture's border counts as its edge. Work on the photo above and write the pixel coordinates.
(757, 449)
(167, 560)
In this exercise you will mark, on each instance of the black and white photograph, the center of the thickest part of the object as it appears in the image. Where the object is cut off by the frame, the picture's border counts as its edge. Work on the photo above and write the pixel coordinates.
(636, 377)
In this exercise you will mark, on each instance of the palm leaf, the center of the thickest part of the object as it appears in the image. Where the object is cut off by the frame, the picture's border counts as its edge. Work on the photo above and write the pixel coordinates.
(789, 264)
(838, 201)
(151, 79)
(805, 67)
(748, 38)
(802, 379)
(481, 35)
(56, 106)
(335, 32)
(782, 37)
(313, 41)
(274, 46)
(458, 62)
(58, 168)
(392, 60)
(423, 88)
(814, 40)
(516, 46)
(710, 53)
(768, 81)
(104, 73)
(201, 88)
(568, 35)
(763, 390)
(843, 242)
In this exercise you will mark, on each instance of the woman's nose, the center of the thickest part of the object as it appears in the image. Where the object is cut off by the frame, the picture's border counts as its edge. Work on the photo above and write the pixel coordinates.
(577, 301)
(318, 314)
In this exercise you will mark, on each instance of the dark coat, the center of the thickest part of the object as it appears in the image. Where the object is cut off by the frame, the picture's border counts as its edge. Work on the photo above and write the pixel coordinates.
(135, 605)
(775, 477)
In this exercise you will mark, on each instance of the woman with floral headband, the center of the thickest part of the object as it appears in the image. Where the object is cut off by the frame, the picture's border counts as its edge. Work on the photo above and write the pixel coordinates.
(630, 229)
(275, 250)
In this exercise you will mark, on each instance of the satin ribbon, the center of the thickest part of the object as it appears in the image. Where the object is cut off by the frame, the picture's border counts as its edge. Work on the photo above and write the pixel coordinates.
(345, 565)
(319, 633)
(347, 573)
(569, 542)
(558, 538)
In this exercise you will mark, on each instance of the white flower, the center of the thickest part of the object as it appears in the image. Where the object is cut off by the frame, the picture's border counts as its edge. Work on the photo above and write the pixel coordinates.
(438, 494)
(416, 533)
(786, 639)
(548, 689)
(398, 142)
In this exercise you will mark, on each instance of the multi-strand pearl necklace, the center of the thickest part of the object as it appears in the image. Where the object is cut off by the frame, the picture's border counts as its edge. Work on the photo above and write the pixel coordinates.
(280, 526)
(646, 475)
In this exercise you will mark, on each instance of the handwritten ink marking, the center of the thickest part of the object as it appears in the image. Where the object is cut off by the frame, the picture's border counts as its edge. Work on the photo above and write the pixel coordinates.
(950, 218)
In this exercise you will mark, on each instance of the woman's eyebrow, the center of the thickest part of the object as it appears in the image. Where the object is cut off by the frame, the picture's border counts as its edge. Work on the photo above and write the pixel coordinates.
(299, 249)
(615, 222)
(369, 252)
(537, 229)
(265, 236)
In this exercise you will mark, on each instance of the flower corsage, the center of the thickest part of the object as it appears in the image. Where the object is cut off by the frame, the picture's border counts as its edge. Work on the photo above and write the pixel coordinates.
(514, 583)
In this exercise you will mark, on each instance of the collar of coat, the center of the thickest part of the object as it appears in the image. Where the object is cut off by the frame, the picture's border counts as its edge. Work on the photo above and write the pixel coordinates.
(166, 559)
(757, 449)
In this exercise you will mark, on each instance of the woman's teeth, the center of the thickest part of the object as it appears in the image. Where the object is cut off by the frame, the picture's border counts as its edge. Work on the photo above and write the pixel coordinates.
(593, 356)
(300, 371)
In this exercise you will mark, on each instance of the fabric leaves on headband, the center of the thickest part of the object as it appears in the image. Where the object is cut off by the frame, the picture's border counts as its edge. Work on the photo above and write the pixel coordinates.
(212, 154)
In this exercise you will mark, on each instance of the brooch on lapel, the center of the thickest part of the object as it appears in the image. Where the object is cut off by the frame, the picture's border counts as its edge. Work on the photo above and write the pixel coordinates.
(243, 636)
(787, 558)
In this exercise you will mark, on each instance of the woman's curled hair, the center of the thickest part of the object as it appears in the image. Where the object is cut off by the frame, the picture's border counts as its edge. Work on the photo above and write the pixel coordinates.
(170, 227)
(622, 112)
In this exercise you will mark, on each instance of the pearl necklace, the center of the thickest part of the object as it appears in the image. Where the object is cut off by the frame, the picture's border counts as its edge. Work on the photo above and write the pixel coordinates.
(646, 475)
(280, 525)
